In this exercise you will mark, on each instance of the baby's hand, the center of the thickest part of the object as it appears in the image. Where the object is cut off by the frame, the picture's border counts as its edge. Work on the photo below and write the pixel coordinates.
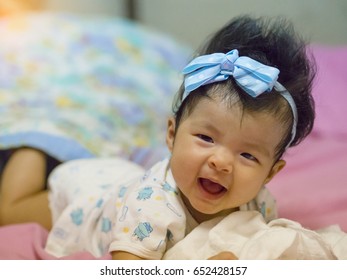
(224, 256)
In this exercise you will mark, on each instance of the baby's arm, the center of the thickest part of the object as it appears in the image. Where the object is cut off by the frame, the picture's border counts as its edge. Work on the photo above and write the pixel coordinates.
(121, 255)
(224, 256)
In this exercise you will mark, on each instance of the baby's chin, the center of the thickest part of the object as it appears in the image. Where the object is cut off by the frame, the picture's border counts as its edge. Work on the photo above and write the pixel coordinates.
(202, 213)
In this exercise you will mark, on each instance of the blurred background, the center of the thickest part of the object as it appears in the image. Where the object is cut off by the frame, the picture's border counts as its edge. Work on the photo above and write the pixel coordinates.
(321, 21)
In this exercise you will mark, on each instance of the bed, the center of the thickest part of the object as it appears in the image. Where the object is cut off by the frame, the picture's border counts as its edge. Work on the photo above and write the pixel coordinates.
(106, 87)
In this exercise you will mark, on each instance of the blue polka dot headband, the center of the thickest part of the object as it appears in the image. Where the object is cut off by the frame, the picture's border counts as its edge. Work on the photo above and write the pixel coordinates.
(252, 76)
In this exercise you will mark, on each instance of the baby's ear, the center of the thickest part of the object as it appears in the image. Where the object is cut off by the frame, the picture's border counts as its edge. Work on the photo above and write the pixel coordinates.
(170, 133)
(278, 166)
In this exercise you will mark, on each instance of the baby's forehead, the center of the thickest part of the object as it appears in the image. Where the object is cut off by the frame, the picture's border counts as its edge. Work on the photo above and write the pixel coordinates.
(273, 106)
(259, 126)
(238, 109)
(221, 113)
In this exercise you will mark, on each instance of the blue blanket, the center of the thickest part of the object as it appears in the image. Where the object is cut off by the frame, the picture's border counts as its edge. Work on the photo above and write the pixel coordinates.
(82, 86)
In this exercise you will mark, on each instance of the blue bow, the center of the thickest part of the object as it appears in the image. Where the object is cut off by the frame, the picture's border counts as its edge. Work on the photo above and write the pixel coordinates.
(252, 76)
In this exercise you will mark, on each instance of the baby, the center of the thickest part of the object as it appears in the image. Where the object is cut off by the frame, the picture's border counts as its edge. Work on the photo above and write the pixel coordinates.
(245, 99)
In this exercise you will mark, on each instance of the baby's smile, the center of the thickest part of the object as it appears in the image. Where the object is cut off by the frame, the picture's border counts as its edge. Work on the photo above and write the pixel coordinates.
(212, 189)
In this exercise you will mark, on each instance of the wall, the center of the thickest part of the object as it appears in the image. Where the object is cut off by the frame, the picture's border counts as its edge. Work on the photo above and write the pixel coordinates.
(190, 21)
(106, 7)
(323, 21)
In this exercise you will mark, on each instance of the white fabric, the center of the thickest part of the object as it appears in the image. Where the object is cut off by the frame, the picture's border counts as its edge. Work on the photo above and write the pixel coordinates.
(97, 209)
(248, 236)
(82, 177)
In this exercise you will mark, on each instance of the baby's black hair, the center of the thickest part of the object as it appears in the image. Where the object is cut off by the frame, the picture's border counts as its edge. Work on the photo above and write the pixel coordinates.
(273, 42)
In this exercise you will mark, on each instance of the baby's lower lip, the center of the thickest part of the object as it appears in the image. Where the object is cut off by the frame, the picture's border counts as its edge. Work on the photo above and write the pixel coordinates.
(212, 189)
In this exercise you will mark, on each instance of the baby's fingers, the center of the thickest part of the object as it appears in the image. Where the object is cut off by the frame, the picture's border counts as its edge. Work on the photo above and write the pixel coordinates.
(224, 256)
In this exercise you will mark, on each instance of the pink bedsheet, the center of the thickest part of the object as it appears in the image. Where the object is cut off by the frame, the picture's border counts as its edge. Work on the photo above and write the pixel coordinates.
(27, 241)
(312, 189)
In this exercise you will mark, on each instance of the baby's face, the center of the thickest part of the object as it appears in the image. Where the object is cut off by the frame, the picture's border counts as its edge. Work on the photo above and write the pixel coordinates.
(221, 156)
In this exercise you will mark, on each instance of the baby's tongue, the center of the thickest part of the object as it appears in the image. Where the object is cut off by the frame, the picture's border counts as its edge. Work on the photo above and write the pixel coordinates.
(211, 187)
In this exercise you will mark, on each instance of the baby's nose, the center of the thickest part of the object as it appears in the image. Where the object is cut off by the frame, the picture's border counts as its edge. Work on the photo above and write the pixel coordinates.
(221, 161)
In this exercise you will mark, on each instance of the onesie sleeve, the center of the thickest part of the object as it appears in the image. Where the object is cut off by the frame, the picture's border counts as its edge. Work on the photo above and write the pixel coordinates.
(265, 203)
(150, 219)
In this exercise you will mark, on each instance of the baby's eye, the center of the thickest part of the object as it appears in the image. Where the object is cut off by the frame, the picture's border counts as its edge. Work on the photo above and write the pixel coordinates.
(249, 156)
(205, 138)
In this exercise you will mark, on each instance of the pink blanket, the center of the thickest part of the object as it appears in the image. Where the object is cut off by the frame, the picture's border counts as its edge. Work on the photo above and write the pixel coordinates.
(312, 189)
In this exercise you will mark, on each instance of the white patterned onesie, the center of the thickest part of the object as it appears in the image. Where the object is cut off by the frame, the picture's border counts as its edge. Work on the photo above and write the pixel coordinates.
(95, 208)
(105, 205)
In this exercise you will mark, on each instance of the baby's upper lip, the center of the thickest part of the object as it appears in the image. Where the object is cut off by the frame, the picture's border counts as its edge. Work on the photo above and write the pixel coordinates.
(216, 181)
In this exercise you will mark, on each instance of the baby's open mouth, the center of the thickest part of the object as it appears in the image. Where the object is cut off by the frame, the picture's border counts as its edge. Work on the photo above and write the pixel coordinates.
(211, 187)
